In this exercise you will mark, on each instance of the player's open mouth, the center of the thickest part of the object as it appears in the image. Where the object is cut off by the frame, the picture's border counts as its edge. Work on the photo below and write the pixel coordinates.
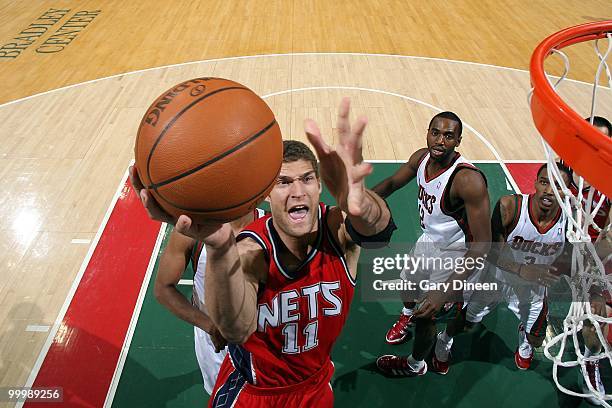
(547, 202)
(437, 152)
(298, 212)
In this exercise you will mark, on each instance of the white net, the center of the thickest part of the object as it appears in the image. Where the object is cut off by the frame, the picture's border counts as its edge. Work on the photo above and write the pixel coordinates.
(588, 279)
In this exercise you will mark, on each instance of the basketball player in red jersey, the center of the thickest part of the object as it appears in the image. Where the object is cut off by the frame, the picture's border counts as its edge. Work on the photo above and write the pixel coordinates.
(454, 213)
(280, 291)
(210, 346)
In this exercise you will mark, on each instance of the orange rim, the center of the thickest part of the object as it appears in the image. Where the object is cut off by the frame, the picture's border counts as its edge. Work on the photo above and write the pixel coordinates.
(584, 148)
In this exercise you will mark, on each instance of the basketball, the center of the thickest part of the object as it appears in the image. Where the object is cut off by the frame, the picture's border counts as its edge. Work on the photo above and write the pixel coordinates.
(209, 148)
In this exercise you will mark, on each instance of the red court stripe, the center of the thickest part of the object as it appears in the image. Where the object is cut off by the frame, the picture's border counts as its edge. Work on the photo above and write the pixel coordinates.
(84, 353)
(524, 174)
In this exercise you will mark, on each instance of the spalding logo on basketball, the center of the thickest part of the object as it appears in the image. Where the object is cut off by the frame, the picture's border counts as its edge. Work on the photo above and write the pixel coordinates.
(209, 148)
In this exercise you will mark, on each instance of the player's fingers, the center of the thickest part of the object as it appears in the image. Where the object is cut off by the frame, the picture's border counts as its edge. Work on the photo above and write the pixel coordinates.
(361, 171)
(343, 124)
(135, 179)
(316, 140)
(183, 225)
(154, 211)
(423, 307)
(552, 277)
(358, 129)
(426, 311)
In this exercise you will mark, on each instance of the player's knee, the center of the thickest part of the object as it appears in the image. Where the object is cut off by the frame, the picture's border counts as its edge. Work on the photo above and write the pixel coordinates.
(535, 341)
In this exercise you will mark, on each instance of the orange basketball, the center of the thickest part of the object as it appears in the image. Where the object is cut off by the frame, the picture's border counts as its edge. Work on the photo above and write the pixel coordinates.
(209, 148)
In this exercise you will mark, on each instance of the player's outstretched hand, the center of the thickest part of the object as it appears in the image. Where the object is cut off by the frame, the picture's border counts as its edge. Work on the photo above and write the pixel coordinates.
(430, 304)
(342, 167)
(540, 274)
(209, 233)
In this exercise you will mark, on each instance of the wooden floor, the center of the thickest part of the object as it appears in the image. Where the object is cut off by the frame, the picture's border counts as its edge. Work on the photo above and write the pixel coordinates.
(63, 153)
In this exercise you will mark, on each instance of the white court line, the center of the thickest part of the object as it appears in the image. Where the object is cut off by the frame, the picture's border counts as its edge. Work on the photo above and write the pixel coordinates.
(404, 161)
(186, 282)
(80, 241)
(526, 161)
(37, 328)
(420, 102)
(73, 288)
(134, 321)
(298, 54)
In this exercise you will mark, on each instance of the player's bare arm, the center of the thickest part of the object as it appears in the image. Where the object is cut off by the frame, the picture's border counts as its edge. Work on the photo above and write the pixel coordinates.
(404, 175)
(233, 273)
(171, 267)
(471, 188)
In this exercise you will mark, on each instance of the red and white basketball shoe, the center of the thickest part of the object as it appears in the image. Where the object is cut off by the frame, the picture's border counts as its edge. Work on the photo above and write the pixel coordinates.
(399, 331)
(523, 363)
(440, 367)
(398, 366)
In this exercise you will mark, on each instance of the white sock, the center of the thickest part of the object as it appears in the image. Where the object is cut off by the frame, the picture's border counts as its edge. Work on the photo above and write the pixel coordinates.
(443, 336)
(525, 349)
(444, 343)
(407, 312)
(415, 364)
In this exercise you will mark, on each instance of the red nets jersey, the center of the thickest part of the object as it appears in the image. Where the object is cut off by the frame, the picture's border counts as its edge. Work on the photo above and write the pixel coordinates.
(300, 312)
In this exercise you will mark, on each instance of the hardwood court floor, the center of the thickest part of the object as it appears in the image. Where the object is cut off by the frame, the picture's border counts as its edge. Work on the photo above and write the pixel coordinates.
(128, 36)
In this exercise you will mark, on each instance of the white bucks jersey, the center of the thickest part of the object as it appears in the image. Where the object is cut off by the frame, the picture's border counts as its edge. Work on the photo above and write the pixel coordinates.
(528, 243)
(442, 222)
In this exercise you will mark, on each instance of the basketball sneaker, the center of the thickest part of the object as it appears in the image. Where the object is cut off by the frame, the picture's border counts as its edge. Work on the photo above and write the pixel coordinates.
(437, 366)
(443, 349)
(398, 366)
(592, 368)
(523, 363)
(399, 331)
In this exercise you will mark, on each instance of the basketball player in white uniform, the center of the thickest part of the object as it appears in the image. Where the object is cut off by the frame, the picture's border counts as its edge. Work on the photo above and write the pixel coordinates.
(531, 230)
(210, 346)
(455, 218)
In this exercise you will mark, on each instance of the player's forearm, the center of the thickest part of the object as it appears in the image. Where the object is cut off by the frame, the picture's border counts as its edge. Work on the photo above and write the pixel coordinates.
(374, 215)
(230, 299)
(384, 188)
(509, 266)
(178, 305)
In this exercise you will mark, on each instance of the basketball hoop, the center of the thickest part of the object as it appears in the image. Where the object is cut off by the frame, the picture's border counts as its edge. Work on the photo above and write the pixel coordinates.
(582, 147)
(589, 153)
